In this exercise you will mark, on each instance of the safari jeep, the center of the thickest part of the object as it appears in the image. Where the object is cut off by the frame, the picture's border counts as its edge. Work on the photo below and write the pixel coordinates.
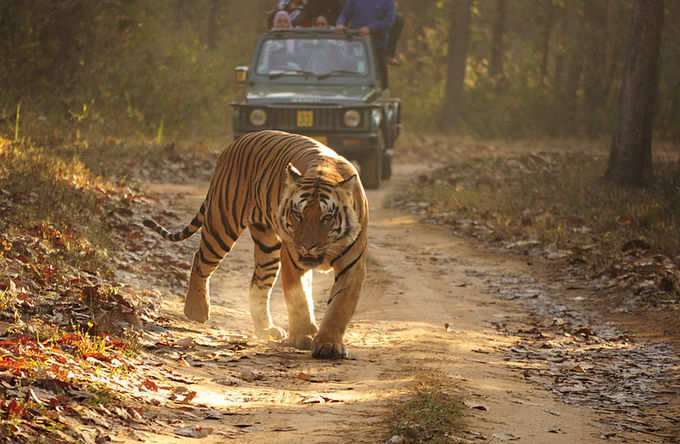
(325, 85)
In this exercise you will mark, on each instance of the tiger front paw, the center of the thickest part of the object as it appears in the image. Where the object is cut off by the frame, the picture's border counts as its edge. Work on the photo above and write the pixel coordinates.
(328, 350)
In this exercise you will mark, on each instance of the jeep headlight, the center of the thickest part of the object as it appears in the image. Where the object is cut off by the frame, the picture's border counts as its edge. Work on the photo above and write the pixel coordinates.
(376, 115)
(352, 118)
(257, 117)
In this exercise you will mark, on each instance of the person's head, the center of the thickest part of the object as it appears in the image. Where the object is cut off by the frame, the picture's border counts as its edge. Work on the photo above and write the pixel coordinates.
(281, 20)
(321, 22)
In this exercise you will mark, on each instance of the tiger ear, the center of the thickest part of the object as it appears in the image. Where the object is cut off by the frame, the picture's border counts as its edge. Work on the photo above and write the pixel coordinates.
(293, 175)
(348, 184)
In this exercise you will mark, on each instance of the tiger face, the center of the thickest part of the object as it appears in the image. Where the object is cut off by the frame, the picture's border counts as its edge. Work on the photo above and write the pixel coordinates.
(317, 218)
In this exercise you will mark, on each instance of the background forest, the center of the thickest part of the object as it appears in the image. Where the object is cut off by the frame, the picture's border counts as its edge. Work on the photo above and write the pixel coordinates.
(162, 68)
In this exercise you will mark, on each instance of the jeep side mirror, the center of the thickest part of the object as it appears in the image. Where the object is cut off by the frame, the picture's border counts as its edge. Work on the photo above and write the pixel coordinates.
(241, 74)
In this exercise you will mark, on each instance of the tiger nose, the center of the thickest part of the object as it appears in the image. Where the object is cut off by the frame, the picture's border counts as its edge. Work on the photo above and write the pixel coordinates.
(307, 247)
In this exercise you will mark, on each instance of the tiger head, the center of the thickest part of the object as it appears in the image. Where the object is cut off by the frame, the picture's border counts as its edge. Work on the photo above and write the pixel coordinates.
(317, 217)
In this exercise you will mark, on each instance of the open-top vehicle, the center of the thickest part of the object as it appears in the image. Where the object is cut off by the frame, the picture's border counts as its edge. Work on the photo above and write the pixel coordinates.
(325, 85)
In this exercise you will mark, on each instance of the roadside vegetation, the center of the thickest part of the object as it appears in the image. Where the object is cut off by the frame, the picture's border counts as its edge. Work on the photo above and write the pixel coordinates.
(71, 310)
(65, 321)
(431, 413)
(548, 199)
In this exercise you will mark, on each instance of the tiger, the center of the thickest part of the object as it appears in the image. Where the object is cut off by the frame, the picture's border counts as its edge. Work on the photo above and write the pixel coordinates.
(305, 208)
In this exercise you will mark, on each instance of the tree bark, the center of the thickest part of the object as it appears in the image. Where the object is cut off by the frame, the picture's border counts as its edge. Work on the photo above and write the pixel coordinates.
(630, 155)
(595, 58)
(179, 13)
(457, 53)
(561, 45)
(545, 44)
(212, 25)
(576, 44)
(496, 62)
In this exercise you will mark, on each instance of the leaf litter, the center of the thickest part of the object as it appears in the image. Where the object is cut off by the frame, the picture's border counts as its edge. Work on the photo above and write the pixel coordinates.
(73, 361)
(588, 363)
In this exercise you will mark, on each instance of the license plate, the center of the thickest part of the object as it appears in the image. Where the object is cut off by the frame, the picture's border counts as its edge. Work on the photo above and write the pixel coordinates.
(305, 118)
(322, 139)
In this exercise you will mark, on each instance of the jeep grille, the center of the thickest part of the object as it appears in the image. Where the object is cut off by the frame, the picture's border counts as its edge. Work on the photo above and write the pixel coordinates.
(286, 119)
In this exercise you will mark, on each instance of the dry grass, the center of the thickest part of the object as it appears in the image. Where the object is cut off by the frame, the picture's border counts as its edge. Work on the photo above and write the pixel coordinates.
(554, 197)
(431, 414)
(48, 192)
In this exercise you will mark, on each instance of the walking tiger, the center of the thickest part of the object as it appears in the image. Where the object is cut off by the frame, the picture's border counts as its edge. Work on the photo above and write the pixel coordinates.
(306, 209)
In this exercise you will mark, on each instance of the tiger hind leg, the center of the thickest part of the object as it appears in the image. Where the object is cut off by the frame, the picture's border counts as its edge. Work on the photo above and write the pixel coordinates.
(297, 291)
(267, 252)
(206, 260)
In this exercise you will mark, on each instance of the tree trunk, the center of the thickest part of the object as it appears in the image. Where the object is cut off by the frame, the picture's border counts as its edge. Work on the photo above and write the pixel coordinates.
(179, 13)
(496, 62)
(576, 44)
(595, 57)
(630, 156)
(611, 46)
(561, 44)
(545, 44)
(457, 52)
(212, 25)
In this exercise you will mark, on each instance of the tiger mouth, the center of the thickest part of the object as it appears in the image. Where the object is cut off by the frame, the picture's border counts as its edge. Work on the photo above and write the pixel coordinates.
(311, 261)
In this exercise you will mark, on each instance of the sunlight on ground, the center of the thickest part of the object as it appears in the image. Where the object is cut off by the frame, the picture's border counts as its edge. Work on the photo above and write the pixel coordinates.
(399, 220)
(217, 396)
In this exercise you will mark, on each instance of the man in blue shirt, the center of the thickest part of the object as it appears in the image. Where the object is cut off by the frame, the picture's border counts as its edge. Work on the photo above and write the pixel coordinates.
(374, 17)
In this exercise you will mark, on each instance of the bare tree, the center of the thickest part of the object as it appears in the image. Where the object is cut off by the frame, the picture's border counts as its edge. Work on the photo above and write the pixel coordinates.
(212, 24)
(496, 62)
(560, 51)
(457, 53)
(575, 54)
(179, 13)
(630, 155)
(545, 37)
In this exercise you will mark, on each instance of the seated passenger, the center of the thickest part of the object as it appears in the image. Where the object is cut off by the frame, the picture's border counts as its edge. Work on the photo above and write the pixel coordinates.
(282, 20)
(296, 11)
(330, 9)
(279, 55)
(321, 22)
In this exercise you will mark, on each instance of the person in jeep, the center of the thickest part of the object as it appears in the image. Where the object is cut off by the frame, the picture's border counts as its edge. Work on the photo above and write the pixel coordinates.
(374, 17)
(328, 9)
(281, 20)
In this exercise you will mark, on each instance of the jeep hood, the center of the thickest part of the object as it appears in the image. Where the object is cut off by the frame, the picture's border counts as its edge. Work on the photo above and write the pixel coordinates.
(297, 93)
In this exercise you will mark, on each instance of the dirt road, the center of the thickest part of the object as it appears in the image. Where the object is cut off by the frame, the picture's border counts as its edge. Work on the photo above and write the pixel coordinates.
(433, 302)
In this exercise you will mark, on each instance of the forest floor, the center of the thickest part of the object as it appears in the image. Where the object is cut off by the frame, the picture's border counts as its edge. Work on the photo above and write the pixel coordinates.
(525, 352)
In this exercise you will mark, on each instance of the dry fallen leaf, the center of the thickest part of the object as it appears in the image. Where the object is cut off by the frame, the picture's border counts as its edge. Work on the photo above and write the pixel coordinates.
(185, 342)
(188, 397)
(194, 431)
(317, 399)
(475, 405)
(505, 436)
(150, 385)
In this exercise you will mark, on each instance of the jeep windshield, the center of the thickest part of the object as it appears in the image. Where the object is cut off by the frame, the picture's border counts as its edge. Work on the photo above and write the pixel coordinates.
(319, 57)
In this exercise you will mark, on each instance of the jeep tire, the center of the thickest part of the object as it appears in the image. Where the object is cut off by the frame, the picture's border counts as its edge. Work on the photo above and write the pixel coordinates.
(371, 168)
(386, 166)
